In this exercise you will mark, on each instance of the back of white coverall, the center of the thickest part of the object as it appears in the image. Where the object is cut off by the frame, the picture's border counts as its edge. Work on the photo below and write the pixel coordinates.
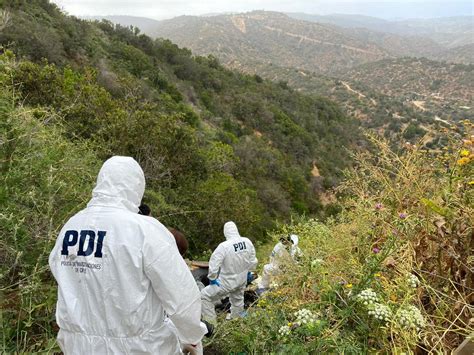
(230, 263)
(118, 272)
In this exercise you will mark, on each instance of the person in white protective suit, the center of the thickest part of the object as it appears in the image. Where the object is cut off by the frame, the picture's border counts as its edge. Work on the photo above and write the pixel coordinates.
(278, 256)
(295, 251)
(284, 251)
(118, 273)
(229, 267)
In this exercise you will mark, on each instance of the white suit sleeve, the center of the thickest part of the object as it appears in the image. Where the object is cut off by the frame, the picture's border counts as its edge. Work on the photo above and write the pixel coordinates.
(173, 284)
(215, 262)
(253, 257)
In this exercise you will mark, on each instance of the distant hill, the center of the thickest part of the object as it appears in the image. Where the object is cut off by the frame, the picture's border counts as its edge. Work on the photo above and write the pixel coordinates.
(402, 98)
(390, 9)
(417, 76)
(285, 41)
(337, 62)
(270, 37)
(446, 31)
(449, 31)
(344, 20)
(462, 54)
(337, 41)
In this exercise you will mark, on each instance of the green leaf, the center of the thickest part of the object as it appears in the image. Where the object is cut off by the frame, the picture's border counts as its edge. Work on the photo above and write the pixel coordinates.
(434, 207)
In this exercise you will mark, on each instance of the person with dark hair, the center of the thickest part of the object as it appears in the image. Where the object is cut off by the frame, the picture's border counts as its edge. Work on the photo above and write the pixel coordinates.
(181, 241)
(144, 209)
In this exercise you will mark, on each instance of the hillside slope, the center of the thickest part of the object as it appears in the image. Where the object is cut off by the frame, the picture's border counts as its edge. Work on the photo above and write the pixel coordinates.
(443, 90)
(393, 274)
(446, 31)
(215, 145)
(294, 42)
(268, 137)
(447, 39)
(398, 76)
(270, 37)
(242, 42)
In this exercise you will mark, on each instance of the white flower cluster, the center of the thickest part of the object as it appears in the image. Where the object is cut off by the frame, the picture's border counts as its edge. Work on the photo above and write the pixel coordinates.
(316, 262)
(411, 317)
(304, 316)
(380, 311)
(284, 331)
(413, 281)
(367, 297)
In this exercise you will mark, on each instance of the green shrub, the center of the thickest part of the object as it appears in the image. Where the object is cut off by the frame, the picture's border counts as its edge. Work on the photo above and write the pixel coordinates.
(45, 180)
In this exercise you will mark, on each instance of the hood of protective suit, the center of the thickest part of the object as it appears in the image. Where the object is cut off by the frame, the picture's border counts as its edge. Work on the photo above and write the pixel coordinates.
(295, 239)
(120, 183)
(231, 231)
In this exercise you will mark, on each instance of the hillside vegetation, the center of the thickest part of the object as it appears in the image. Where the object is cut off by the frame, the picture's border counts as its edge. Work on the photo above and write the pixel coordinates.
(309, 42)
(75, 93)
(432, 94)
(450, 84)
(393, 273)
(190, 122)
(270, 37)
(448, 32)
(218, 145)
(403, 98)
(395, 117)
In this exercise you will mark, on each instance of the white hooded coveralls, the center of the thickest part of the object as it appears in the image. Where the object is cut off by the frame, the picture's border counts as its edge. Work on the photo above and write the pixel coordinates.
(295, 250)
(230, 263)
(277, 257)
(118, 272)
(280, 254)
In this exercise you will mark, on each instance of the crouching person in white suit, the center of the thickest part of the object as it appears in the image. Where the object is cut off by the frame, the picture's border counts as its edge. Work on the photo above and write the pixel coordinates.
(229, 266)
(118, 273)
(285, 251)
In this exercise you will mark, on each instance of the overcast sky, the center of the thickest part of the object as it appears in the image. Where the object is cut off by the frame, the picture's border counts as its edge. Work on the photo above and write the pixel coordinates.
(161, 9)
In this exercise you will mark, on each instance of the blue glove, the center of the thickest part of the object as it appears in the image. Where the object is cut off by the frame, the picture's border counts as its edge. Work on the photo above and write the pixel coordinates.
(215, 282)
(249, 277)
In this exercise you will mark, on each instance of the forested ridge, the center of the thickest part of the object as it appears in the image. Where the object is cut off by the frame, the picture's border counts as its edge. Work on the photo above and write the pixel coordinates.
(383, 80)
(196, 128)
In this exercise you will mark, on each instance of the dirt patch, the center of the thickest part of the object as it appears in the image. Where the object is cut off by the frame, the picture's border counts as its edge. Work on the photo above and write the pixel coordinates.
(315, 171)
(346, 85)
(419, 104)
(327, 198)
(239, 23)
(358, 93)
(441, 120)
